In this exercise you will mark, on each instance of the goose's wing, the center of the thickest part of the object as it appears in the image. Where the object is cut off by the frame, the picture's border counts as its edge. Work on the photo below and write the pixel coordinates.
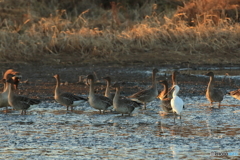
(166, 105)
(235, 92)
(218, 93)
(26, 100)
(72, 97)
(105, 100)
(131, 103)
(141, 94)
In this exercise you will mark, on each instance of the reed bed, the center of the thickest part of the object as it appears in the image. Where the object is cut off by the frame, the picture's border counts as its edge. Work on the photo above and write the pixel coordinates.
(46, 33)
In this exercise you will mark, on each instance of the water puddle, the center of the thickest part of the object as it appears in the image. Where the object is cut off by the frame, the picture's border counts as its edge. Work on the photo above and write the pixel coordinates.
(49, 131)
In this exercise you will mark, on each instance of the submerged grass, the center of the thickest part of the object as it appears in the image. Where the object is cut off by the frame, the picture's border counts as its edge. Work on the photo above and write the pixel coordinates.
(84, 32)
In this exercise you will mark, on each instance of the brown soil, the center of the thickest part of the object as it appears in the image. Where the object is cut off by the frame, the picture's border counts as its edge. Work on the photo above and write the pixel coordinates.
(38, 81)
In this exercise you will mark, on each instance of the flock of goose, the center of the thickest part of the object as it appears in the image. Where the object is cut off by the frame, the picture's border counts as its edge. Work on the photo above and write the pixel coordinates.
(170, 102)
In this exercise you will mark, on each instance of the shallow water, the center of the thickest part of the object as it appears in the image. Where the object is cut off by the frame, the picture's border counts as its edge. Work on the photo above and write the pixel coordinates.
(50, 132)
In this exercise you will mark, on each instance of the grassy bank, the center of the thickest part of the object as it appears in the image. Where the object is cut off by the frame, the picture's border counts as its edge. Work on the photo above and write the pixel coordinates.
(87, 32)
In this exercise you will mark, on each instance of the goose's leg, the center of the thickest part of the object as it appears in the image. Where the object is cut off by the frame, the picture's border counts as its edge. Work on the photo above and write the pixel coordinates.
(99, 111)
(122, 114)
(219, 104)
(181, 118)
(174, 116)
(67, 108)
(211, 103)
(22, 112)
(71, 108)
(145, 107)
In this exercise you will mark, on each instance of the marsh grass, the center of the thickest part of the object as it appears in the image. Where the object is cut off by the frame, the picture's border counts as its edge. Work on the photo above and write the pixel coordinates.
(34, 31)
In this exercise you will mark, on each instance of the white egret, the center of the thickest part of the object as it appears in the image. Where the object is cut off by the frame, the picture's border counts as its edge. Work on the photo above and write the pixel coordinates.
(176, 102)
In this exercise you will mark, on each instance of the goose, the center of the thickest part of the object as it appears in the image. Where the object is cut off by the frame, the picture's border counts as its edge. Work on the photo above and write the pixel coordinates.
(165, 100)
(123, 105)
(19, 102)
(176, 102)
(235, 94)
(96, 101)
(164, 93)
(213, 94)
(8, 73)
(65, 98)
(174, 82)
(147, 95)
(107, 91)
(4, 94)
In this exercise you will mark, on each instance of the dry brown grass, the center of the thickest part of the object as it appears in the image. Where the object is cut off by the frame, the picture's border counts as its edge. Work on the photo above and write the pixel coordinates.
(90, 34)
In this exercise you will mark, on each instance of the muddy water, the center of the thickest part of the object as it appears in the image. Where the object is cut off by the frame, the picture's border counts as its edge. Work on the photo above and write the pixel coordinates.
(50, 132)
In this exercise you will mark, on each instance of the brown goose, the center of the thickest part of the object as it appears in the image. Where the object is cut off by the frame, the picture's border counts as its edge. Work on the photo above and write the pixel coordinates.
(19, 102)
(99, 102)
(165, 100)
(4, 94)
(123, 105)
(147, 95)
(163, 94)
(107, 91)
(235, 94)
(16, 79)
(66, 99)
(213, 94)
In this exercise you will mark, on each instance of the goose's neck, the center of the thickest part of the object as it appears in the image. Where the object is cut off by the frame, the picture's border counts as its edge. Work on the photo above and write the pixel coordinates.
(107, 91)
(117, 94)
(5, 86)
(174, 82)
(10, 92)
(91, 88)
(165, 90)
(154, 83)
(211, 82)
(57, 86)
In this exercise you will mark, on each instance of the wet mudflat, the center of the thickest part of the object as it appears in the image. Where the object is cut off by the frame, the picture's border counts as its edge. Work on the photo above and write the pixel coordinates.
(48, 131)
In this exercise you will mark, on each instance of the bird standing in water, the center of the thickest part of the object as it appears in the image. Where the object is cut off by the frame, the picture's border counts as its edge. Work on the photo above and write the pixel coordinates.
(176, 102)
(147, 95)
(213, 94)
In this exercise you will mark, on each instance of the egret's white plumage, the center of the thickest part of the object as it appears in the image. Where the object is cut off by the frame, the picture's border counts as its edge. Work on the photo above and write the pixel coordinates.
(176, 102)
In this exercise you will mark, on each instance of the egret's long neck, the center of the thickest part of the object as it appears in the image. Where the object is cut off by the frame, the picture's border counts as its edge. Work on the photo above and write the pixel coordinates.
(57, 86)
(107, 91)
(175, 92)
(211, 82)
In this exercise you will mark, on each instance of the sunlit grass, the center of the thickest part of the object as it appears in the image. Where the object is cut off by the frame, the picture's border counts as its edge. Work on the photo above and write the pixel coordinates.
(97, 35)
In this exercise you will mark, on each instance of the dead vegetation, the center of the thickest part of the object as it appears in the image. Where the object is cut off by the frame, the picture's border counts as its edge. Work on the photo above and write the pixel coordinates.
(90, 32)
